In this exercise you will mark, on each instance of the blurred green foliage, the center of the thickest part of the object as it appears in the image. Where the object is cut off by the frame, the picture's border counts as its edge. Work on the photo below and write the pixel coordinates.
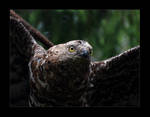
(110, 32)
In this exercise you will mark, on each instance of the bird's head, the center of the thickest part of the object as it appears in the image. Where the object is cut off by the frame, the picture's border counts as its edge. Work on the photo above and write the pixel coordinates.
(72, 51)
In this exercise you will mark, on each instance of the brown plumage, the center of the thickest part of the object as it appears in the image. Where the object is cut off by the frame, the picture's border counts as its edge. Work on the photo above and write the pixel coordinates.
(64, 75)
(59, 76)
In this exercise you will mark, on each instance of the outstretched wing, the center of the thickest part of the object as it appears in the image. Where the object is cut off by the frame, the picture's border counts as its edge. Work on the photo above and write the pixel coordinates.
(35, 33)
(115, 81)
(21, 46)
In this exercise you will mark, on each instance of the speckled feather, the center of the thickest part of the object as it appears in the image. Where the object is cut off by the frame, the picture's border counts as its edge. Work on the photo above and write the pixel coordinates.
(62, 77)
(59, 77)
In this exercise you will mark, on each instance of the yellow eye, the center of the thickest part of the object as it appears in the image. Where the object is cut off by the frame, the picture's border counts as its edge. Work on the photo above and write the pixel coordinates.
(71, 49)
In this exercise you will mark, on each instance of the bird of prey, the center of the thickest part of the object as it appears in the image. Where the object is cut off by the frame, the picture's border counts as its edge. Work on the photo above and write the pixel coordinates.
(64, 75)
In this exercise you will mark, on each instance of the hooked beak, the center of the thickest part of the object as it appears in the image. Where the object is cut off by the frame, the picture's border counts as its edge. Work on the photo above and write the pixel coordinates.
(85, 54)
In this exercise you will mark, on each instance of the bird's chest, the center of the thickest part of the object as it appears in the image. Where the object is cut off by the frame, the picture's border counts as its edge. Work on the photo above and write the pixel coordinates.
(65, 84)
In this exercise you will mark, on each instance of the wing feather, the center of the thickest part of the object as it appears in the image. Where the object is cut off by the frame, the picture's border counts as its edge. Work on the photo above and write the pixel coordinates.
(22, 47)
(115, 81)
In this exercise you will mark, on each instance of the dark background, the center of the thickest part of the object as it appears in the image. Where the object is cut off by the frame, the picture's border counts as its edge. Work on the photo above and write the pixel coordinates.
(110, 32)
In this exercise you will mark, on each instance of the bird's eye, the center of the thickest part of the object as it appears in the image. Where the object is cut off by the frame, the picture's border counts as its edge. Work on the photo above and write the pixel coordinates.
(71, 49)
